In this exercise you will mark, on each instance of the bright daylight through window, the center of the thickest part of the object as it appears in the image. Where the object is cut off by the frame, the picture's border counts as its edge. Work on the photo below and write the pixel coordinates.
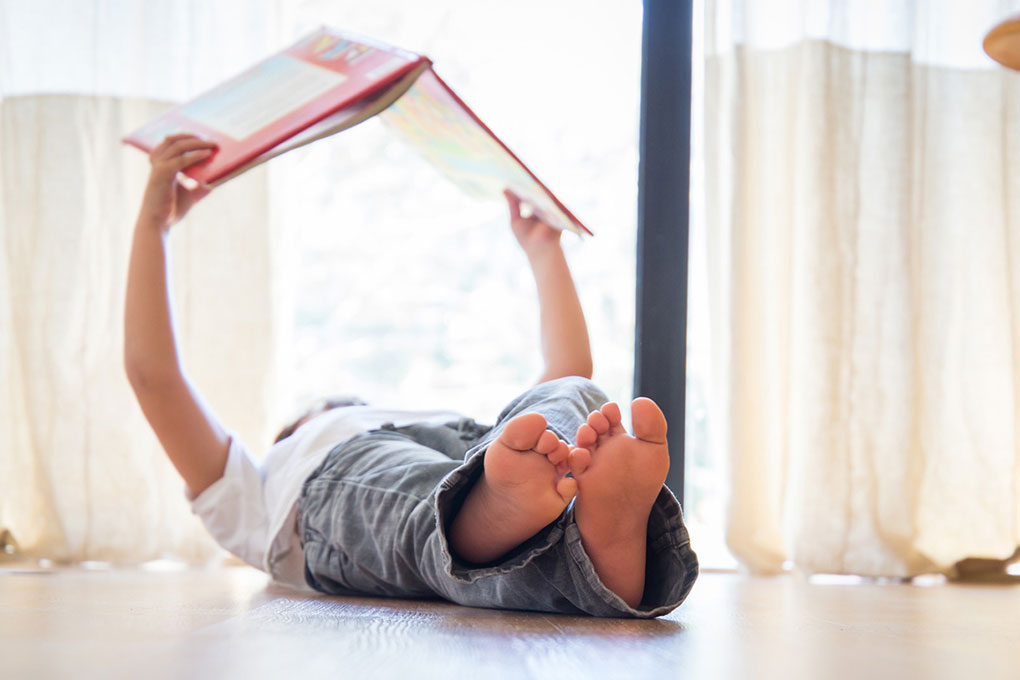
(409, 293)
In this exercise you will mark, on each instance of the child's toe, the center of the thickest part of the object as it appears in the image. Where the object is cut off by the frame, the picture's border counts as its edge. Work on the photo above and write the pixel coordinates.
(547, 443)
(586, 436)
(598, 422)
(578, 460)
(559, 455)
(612, 413)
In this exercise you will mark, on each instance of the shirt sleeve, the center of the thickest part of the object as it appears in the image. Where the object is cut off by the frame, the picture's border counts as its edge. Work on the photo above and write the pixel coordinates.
(233, 508)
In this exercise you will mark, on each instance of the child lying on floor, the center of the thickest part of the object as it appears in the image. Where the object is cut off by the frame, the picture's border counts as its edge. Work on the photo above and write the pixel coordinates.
(554, 508)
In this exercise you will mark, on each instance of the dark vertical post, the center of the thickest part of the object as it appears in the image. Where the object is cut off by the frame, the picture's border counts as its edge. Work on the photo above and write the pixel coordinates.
(660, 341)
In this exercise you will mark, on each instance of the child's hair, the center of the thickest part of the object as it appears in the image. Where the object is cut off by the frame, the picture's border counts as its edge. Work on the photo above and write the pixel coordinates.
(318, 407)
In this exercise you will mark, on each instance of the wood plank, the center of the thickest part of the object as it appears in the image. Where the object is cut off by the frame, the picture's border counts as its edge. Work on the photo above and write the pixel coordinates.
(232, 623)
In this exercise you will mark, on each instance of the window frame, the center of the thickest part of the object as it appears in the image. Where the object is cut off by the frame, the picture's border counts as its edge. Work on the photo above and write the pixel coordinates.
(660, 334)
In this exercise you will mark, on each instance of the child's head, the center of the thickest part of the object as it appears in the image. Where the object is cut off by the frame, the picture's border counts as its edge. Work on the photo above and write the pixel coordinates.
(318, 408)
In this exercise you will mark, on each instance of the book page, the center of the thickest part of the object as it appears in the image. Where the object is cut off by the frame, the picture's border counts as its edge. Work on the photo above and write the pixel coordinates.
(261, 95)
(436, 125)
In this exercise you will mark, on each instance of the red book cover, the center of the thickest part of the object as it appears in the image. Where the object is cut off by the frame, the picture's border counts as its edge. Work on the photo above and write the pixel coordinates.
(279, 97)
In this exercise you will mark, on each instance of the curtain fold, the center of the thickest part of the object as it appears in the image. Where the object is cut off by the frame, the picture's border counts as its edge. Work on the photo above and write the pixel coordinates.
(862, 244)
(81, 475)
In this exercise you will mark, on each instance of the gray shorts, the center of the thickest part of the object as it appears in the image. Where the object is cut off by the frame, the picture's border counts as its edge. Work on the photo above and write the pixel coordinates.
(373, 520)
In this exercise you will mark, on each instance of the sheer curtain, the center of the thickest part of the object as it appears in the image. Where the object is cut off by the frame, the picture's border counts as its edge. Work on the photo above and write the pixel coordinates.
(862, 174)
(81, 475)
(267, 321)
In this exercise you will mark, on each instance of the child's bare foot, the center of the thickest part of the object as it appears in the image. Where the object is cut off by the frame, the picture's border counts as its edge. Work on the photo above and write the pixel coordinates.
(615, 493)
(522, 490)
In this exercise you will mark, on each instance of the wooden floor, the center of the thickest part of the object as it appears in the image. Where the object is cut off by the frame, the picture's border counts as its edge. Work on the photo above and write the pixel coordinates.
(231, 623)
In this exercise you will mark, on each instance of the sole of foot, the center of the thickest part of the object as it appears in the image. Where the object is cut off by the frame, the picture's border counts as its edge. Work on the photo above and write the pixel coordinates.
(524, 487)
(617, 489)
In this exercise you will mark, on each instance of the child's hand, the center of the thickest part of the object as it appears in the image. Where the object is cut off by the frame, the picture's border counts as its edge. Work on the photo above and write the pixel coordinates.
(533, 234)
(166, 201)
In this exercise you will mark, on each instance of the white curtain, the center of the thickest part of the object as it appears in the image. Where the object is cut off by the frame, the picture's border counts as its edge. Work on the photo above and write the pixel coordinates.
(81, 475)
(862, 210)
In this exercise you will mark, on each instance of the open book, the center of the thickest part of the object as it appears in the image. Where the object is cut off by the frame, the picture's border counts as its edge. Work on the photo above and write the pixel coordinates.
(330, 81)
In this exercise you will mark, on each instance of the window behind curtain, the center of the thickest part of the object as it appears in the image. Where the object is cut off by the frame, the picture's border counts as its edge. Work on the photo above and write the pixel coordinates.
(412, 294)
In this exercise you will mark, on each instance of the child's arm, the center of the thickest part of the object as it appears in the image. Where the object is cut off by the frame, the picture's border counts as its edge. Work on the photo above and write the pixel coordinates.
(565, 346)
(189, 431)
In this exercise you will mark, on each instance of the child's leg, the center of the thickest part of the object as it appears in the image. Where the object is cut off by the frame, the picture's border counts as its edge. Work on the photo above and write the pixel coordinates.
(526, 457)
(376, 518)
(523, 489)
(364, 516)
(620, 550)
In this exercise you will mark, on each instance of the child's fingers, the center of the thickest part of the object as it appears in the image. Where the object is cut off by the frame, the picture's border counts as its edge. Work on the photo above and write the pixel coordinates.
(191, 144)
(189, 197)
(189, 158)
(198, 193)
(180, 146)
(170, 139)
(514, 203)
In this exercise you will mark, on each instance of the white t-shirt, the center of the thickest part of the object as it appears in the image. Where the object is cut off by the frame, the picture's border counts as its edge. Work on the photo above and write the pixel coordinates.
(251, 510)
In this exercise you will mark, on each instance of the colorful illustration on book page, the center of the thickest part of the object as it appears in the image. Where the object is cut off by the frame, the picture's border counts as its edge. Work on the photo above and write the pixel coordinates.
(261, 95)
(433, 122)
